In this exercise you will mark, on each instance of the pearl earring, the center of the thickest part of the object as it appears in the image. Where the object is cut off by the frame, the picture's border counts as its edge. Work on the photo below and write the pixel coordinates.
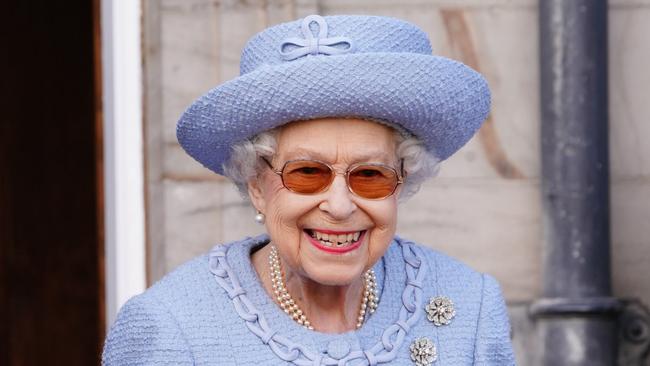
(259, 218)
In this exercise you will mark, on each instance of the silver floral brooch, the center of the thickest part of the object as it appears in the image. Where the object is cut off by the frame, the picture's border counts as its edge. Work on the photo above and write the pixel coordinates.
(440, 310)
(423, 352)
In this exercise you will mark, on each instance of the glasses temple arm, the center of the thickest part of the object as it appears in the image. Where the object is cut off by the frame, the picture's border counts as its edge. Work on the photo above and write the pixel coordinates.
(279, 172)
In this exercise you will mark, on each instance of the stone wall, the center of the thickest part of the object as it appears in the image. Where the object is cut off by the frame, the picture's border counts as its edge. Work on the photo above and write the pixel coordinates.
(484, 208)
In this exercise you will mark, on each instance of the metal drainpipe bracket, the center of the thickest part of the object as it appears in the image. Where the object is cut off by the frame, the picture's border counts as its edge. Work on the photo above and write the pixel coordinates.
(632, 319)
(566, 306)
(633, 334)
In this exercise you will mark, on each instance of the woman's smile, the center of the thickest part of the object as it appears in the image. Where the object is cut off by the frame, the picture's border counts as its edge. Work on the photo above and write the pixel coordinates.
(335, 242)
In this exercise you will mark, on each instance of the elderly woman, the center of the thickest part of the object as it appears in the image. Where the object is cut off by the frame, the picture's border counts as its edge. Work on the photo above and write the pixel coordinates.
(332, 122)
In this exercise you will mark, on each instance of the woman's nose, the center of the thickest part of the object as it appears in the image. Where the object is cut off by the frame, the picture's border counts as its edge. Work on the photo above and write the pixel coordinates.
(338, 201)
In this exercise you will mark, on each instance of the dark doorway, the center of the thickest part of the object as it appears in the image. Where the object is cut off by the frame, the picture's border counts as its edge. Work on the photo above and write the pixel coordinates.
(51, 281)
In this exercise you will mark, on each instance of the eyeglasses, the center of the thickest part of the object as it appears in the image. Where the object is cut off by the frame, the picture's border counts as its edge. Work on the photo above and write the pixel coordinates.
(366, 180)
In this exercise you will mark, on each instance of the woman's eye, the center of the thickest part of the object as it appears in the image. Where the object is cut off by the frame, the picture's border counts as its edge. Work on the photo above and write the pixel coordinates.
(308, 170)
(368, 173)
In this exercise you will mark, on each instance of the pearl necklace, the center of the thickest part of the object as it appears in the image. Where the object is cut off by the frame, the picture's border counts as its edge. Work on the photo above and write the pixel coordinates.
(369, 302)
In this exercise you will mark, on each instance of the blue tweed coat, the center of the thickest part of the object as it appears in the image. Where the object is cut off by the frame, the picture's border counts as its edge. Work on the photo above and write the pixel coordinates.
(214, 311)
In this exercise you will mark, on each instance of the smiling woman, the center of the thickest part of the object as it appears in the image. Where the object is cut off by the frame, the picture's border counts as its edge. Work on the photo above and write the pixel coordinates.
(331, 123)
(322, 267)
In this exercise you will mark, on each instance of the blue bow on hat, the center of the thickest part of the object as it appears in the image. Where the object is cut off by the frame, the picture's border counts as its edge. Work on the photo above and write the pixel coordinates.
(310, 45)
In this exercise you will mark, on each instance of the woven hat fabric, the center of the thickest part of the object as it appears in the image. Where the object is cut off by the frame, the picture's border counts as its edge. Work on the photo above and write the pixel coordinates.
(338, 66)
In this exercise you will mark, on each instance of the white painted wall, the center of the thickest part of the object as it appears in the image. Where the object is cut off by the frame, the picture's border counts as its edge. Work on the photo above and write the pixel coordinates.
(123, 153)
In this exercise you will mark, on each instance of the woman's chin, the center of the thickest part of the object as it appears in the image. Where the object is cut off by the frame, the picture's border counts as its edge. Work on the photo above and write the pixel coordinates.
(335, 278)
(331, 267)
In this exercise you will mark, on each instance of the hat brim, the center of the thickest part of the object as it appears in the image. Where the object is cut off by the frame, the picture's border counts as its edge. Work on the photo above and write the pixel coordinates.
(441, 101)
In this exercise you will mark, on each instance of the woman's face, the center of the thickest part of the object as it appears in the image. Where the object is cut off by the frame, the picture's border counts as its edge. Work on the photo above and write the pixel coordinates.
(294, 220)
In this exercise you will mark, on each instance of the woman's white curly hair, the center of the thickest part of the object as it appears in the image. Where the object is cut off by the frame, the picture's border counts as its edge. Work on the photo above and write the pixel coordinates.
(244, 163)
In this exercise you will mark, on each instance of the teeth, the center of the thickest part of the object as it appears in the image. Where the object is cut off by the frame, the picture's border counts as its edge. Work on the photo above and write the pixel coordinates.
(331, 240)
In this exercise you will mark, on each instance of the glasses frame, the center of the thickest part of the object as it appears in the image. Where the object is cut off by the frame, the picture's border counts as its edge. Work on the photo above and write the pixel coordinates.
(400, 176)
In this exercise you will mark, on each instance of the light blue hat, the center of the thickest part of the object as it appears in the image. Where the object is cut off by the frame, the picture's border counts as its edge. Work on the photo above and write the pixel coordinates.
(369, 67)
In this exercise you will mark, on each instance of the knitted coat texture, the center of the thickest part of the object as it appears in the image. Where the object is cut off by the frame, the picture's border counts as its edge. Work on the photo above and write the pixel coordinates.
(213, 310)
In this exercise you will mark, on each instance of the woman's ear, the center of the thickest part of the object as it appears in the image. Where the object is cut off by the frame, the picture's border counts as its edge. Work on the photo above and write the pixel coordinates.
(256, 194)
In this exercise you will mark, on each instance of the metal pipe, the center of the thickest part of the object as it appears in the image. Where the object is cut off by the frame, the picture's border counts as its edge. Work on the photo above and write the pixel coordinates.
(576, 316)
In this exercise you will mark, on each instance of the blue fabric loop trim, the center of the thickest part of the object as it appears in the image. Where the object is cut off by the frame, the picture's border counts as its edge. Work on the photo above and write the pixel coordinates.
(294, 352)
(406, 300)
(220, 273)
(413, 261)
(414, 283)
(236, 292)
(403, 325)
(372, 361)
(215, 268)
(311, 45)
(384, 351)
(266, 337)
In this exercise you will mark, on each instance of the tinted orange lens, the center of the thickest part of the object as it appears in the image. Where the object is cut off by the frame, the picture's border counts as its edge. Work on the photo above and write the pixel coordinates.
(306, 176)
(372, 181)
